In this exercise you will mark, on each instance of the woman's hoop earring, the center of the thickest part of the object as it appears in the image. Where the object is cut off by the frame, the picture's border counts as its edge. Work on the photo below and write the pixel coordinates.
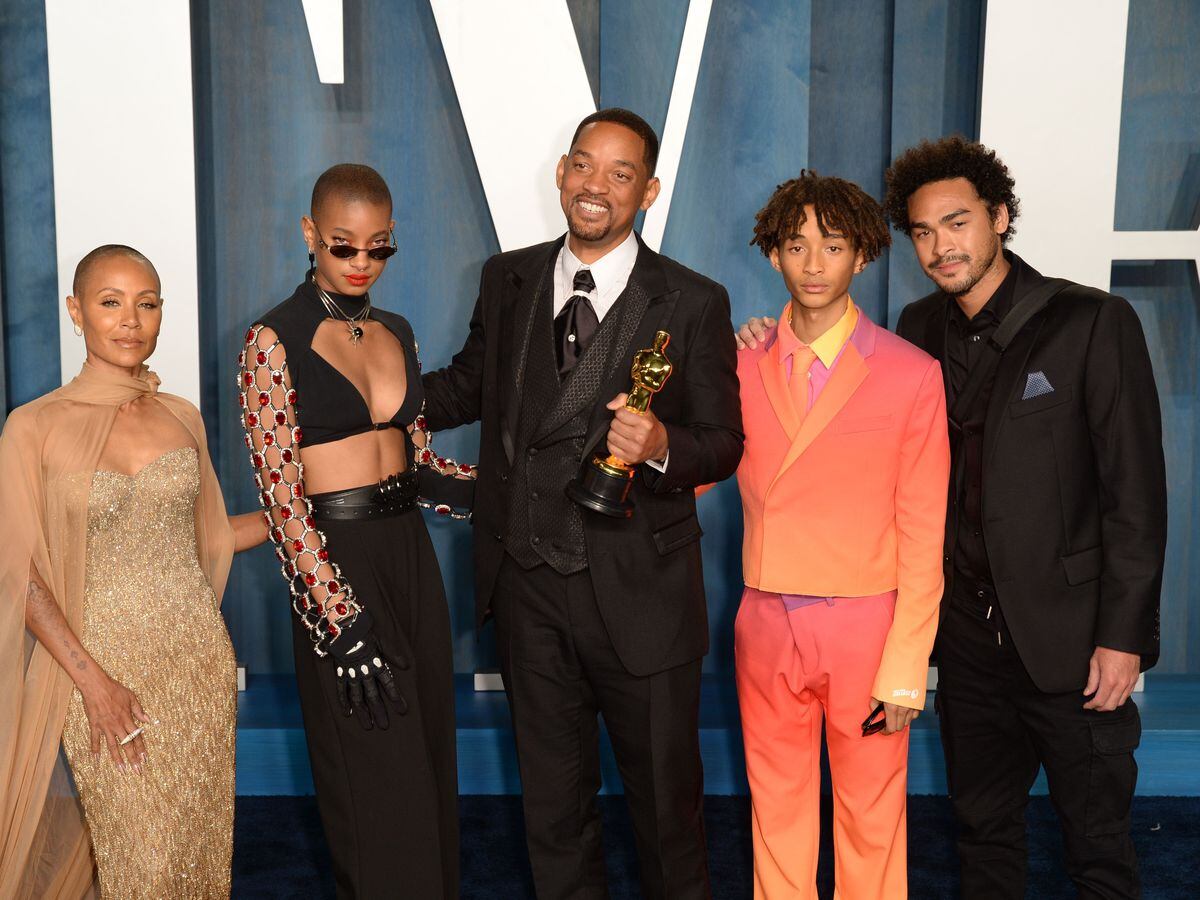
(78, 330)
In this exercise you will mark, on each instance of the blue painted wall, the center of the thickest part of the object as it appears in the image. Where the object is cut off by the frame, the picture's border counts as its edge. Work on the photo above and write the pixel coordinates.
(833, 86)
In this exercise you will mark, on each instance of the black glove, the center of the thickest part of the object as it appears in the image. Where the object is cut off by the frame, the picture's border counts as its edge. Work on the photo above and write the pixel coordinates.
(364, 673)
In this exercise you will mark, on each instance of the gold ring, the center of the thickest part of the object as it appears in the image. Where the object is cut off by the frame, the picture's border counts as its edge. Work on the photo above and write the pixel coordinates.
(129, 737)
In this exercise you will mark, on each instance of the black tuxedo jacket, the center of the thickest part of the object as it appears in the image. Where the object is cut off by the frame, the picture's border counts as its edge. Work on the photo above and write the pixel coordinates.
(646, 570)
(1074, 486)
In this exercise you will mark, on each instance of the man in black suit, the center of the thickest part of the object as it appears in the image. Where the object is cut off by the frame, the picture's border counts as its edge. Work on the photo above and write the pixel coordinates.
(1056, 535)
(597, 615)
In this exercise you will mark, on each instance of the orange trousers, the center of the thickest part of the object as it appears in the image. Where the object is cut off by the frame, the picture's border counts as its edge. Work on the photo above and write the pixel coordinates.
(795, 669)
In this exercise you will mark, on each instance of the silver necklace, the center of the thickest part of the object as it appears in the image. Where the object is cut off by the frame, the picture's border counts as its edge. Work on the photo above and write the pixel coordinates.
(352, 322)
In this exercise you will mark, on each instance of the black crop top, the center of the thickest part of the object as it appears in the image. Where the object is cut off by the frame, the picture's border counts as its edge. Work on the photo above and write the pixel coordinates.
(329, 407)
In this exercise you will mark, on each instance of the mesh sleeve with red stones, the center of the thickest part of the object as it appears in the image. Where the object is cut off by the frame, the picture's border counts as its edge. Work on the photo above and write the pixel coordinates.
(320, 595)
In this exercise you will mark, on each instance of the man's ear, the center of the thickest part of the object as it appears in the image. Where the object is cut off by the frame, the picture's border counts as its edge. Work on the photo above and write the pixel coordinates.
(860, 262)
(774, 257)
(558, 172)
(653, 186)
(1000, 218)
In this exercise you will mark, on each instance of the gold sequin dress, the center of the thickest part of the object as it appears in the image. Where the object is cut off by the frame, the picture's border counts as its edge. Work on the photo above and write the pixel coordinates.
(151, 621)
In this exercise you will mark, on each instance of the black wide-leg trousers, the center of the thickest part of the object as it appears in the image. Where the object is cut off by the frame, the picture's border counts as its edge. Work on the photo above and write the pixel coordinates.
(561, 673)
(997, 730)
(388, 798)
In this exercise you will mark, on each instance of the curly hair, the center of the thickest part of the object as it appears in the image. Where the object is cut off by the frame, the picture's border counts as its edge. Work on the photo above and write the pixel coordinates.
(839, 205)
(942, 160)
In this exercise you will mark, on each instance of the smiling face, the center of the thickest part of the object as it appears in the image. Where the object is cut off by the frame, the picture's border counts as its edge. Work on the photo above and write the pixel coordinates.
(817, 268)
(351, 223)
(119, 308)
(603, 182)
(955, 235)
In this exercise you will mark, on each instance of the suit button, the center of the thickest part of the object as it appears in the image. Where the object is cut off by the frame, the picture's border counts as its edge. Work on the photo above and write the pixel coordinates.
(503, 477)
(535, 541)
(532, 452)
(497, 537)
(534, 496)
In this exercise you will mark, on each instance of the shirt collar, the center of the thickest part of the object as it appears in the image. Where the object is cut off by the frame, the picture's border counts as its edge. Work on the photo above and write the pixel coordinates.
(827, 346)
(609, 268)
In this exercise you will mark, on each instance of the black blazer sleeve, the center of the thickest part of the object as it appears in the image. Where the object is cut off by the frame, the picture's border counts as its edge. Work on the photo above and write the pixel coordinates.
(706, 446)
(454, 394)
(1122, 408)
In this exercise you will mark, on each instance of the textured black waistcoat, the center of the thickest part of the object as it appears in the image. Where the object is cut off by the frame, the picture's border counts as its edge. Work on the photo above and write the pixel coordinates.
(544, 525)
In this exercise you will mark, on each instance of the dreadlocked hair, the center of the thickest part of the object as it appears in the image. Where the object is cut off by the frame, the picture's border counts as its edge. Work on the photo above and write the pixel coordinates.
(839, 205)
(943, 160)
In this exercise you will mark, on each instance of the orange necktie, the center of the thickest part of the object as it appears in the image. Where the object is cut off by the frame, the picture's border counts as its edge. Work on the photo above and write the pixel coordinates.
(802, 360)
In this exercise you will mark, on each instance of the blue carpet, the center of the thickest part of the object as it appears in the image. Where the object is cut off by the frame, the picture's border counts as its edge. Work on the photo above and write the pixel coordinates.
(279, 850)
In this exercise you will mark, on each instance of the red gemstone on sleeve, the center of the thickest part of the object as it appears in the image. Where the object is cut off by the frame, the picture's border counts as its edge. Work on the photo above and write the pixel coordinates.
(277, 377)
(291, 397)
(286, 455)
(250, 336)
(298, 546)
(261, 358)
(252, 419)
(257, 459)
(322, 554)
(263, 398)
(247, 379)
(333, 630)
(268, 438)
(280, 418)
(310, 522)
(465, 469)
(286, 512)
(333, 587)
(297, 490)
(277, 535)
(297, 434)
(341, 609)
(310, 579)
(275, 478)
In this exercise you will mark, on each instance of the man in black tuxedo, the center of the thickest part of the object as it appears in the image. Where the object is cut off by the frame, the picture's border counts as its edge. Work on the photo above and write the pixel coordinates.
(1056, 534)
(597, 615)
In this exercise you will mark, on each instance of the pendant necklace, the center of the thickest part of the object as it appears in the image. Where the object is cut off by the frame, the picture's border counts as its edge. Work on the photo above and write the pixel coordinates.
(352, 322)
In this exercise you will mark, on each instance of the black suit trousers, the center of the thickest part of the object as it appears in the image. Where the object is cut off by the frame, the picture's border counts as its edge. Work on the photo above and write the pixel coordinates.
(997, 730)
(561, 673)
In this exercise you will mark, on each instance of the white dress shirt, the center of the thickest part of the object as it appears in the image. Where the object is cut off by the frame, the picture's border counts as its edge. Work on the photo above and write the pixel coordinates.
(610, 272)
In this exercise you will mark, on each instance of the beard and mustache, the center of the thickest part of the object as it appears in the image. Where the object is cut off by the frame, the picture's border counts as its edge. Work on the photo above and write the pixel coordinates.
(976, 269)
(589, 231)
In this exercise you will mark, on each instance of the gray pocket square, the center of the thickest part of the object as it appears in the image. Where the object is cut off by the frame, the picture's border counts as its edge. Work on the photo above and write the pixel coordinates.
(1037, 384)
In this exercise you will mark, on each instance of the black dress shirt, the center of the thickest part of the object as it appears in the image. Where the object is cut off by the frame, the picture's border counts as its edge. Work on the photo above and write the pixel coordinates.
(966, 340)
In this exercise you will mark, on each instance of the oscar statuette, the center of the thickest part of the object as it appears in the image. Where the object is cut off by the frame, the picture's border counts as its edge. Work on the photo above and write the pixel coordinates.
(604, 482)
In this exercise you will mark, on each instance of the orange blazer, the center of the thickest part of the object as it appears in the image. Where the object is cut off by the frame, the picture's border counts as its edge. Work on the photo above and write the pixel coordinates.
(852, 502)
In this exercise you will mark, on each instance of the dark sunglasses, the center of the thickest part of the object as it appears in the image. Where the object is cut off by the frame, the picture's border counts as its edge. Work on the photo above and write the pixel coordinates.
(875, 722)
(345, 251)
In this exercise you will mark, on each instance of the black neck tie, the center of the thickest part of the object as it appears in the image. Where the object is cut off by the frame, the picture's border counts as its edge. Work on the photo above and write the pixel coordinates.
(575, 325)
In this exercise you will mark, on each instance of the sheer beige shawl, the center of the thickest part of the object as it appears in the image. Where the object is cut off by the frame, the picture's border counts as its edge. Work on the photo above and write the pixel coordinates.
(48, 452)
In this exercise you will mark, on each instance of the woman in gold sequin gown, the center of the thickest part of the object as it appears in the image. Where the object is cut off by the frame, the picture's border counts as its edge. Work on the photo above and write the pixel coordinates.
(124, 544)
(168, 831)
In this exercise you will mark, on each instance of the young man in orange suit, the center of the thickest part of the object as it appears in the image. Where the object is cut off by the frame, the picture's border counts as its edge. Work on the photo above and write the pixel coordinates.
(843, 486)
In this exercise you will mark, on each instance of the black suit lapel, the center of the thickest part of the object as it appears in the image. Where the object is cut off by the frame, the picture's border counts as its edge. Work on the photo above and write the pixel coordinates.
(650, 310)
(527, 282)
(1012, 362)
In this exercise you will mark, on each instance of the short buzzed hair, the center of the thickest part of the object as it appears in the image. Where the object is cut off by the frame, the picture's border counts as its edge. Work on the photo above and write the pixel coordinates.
(89, 262)
(634, 123)
(350, 182)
